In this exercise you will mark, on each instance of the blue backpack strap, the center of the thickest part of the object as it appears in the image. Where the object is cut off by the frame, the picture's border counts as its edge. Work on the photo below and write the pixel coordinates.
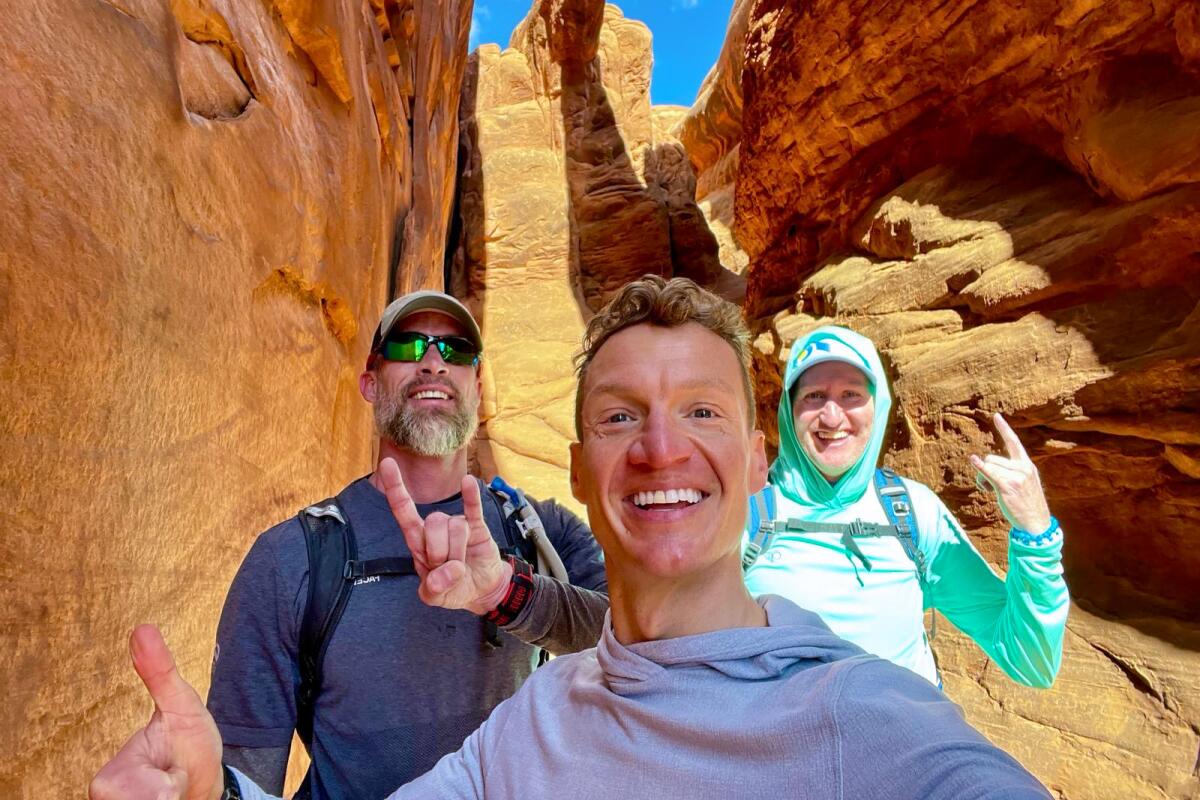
(893, 496)
(761, 525)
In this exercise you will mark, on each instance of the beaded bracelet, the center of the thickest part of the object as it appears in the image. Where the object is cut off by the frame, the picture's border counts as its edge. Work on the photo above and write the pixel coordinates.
(1027, 538)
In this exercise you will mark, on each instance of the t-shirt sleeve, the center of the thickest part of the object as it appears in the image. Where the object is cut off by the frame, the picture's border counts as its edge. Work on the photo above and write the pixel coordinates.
(898, 736)
(254, 674)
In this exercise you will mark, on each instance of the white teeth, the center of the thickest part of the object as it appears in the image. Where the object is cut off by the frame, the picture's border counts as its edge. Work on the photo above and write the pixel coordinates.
(832, 435)
(667, 497)
(431, 394)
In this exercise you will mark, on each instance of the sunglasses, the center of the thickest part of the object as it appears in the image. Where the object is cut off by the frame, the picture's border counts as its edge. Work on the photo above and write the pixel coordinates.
(412, 346)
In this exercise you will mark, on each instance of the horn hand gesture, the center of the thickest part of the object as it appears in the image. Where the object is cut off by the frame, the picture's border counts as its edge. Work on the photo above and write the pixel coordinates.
(455, 557)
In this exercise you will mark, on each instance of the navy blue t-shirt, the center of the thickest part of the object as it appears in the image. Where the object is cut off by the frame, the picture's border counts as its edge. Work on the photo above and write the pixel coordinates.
(404, 683)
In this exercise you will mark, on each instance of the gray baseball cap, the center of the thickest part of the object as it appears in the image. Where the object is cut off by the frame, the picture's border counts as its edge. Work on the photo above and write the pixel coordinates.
(426, 300)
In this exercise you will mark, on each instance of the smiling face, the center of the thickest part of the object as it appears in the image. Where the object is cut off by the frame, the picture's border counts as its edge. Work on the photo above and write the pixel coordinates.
(667, 459)
(429, 407)
(833, 413)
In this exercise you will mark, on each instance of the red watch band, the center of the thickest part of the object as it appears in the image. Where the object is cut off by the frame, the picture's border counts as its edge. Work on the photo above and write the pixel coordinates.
(520, 589)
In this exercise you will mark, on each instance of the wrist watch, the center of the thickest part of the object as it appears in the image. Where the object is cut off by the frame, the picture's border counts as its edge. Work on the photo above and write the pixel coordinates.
(233, 791)
(520, 589)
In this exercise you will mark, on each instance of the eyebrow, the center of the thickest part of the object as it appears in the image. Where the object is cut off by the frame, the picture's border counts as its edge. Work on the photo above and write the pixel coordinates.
(620, 389)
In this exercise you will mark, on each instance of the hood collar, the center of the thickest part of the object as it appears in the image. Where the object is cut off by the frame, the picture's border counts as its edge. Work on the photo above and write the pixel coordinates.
(792, 635)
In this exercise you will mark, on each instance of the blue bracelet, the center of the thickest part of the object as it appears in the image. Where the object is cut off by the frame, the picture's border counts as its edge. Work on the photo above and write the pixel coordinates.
(1025, 537)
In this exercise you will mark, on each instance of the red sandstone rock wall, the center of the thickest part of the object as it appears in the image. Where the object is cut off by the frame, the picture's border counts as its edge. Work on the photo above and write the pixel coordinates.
(1007, 198)
(203, 202)
(570, 187)
(208, 200)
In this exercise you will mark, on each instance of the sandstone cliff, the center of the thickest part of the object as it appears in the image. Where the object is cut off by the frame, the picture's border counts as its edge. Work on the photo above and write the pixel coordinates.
(570, 186)
(205, 202)
(1008, 200)
(210, 201)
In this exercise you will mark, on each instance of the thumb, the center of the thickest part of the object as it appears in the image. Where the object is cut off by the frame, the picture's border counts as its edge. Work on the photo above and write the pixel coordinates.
(156, 667)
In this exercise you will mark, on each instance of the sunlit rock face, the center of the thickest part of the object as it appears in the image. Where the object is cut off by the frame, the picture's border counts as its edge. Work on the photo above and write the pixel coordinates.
(570, 186)
(1007, 199)
(204, 203)
(711, 133)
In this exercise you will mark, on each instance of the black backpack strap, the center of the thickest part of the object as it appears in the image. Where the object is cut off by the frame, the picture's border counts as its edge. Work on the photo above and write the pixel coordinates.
(378, 567)
(331, 550)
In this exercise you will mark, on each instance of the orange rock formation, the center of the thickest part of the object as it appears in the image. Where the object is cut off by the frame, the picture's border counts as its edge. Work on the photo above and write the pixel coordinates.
(1007, 199)
(210, 201)
(570, 187)
(206, 202)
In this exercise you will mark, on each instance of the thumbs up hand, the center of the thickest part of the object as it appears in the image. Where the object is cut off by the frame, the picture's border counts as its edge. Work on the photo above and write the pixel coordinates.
(178, 754)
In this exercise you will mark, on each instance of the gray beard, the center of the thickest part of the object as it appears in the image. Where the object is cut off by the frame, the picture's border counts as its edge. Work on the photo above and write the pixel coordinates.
(424, 432)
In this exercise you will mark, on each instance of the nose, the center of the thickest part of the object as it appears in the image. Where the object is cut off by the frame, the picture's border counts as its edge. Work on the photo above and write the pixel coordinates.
(831, 414)
(432, 362)
(661, 443)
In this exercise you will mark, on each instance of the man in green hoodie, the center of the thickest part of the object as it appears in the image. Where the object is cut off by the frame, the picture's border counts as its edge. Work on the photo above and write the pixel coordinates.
(831, 545)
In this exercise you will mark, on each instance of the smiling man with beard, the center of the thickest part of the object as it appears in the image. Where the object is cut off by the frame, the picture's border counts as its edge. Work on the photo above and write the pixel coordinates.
(696, 690)
(413, 665)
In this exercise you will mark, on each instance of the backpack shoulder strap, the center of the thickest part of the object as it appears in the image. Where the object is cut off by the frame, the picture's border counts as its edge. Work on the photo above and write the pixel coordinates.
(761, 525)
(331, 549)
(515, 543)
(893, 496)
(333, 572)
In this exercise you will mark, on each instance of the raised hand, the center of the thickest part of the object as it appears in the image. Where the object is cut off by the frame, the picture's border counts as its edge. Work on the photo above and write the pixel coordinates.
(177, 756)
(1015, 481)
(455, 556)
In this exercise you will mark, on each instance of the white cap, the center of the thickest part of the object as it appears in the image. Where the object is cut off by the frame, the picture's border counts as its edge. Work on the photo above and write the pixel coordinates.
(822, 351)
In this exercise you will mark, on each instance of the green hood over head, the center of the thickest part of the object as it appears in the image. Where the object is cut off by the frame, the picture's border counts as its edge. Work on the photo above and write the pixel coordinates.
(793, 471)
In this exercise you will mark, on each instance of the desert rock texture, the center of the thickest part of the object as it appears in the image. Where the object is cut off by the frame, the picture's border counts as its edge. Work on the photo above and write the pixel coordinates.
(206, 204)
(571, 185)
(1007, 199)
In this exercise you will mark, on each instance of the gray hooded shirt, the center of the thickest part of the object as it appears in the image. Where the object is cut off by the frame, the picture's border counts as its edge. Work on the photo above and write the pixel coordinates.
(788, 710)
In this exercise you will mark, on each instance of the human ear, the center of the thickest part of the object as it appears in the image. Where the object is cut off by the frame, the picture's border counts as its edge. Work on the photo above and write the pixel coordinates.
(576, 471)
(367, 385)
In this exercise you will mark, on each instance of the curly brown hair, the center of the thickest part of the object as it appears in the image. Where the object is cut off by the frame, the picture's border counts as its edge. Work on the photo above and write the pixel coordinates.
(669, 303)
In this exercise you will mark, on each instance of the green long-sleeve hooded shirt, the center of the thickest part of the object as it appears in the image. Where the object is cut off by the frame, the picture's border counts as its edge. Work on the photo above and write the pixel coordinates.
(1018, 620)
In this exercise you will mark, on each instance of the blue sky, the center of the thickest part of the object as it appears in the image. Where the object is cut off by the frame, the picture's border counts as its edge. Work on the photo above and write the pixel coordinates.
(687, 38)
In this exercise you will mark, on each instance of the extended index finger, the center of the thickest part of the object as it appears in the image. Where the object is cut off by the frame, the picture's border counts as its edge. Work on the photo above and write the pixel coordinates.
(1012, 444)
(402, 505)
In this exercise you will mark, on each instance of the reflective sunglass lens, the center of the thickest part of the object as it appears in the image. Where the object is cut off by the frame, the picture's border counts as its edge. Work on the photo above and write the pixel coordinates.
(412, 346)
(457, 350)
(405, 348)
